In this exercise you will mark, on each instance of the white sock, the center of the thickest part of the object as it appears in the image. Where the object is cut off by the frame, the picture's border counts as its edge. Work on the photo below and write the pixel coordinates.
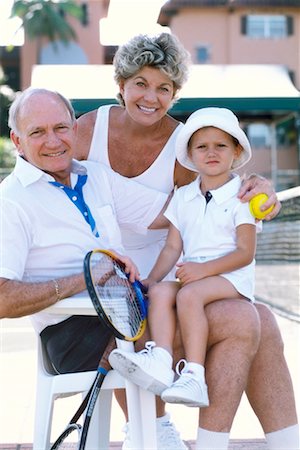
(211, 440)
(285, 439)
(197, 369)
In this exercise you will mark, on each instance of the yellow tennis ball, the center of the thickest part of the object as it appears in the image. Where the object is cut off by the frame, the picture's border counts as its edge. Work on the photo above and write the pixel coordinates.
(255, 204)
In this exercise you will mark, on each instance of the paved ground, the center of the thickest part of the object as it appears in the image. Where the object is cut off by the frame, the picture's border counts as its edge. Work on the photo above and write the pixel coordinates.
(278, 285)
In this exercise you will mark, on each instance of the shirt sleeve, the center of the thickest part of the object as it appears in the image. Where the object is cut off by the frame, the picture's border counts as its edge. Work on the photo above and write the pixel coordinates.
(15, 240)
(244, 216)
(136, 205)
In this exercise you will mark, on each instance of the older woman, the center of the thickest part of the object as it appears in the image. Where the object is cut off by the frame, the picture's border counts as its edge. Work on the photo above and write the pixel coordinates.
(136, 139)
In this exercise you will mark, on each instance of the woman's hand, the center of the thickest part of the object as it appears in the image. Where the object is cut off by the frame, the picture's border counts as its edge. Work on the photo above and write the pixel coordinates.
(256, 184)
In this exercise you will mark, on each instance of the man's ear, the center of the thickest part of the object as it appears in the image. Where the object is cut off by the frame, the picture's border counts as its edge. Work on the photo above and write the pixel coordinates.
(75, 126)
(16, 141)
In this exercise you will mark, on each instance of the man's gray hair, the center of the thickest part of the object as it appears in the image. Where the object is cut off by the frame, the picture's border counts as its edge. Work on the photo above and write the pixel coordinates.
(22, 97)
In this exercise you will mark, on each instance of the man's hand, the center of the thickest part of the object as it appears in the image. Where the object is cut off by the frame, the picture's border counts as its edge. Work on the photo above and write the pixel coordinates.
(130, 268)
(256, 184)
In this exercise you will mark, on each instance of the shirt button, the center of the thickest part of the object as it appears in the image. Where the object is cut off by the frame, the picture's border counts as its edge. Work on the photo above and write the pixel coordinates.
(85, 213)
(74, 198)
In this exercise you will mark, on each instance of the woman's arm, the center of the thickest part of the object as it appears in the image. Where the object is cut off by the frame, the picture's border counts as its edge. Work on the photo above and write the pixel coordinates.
(183, 176)
(242, 256)
(84, 134)
(255, 184)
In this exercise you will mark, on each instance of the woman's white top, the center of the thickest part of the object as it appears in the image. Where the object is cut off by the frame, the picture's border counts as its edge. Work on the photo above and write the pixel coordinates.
(160, 176)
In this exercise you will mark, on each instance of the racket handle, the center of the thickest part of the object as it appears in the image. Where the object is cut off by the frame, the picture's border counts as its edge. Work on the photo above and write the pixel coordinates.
(104, 364)
(140, 286)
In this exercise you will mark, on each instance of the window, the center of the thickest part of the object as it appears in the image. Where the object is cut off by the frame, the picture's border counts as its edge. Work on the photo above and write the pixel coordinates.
(202, 54)
(259, 135)
(267, 27)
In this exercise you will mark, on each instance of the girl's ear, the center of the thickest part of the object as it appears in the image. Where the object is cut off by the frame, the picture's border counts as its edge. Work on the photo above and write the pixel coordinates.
(238, 150)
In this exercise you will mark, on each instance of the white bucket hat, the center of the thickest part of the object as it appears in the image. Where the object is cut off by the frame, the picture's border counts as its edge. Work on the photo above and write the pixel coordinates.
(221, 118)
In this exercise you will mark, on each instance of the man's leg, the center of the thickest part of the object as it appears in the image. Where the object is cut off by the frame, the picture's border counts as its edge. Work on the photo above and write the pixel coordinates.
(270, 390)
(234, 333)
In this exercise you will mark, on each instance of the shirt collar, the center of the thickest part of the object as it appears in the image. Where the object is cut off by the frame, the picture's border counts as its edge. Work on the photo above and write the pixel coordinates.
(220, 195)
(28, 174)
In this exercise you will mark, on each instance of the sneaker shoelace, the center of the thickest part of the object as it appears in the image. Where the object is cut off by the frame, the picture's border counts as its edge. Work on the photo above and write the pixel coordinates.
(149, 346)
(177, 368)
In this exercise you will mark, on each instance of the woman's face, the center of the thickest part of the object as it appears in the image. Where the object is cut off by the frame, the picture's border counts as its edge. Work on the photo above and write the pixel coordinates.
(147, 95)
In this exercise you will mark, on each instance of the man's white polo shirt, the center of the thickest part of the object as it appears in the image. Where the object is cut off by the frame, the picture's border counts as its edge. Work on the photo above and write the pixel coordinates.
(44, 235)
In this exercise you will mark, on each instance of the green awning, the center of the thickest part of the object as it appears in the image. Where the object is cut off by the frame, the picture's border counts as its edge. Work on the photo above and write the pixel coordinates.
(249, 89)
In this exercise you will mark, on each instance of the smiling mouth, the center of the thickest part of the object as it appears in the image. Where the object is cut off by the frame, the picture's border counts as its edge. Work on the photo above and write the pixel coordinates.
(56, 154)
(147, 110)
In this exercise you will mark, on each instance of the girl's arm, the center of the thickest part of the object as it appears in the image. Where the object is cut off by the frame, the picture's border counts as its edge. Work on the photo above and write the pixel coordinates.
(168, 256)
(240, 257)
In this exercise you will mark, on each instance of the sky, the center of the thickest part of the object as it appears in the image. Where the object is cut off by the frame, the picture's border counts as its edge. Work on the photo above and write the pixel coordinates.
(8, 26)
(141, 16)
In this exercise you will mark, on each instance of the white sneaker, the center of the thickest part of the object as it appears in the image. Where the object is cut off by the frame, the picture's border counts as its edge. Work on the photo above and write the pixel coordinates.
(168, 437)
(190, 389)
(151, 368)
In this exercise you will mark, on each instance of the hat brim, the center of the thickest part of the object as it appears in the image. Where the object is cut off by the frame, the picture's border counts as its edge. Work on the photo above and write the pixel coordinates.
(181, 146)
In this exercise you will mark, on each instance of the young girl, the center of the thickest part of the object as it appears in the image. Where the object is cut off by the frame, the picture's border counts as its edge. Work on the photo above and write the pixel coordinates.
(217, 235)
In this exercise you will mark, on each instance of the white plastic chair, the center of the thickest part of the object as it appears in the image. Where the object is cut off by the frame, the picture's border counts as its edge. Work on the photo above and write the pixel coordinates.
(50, 386)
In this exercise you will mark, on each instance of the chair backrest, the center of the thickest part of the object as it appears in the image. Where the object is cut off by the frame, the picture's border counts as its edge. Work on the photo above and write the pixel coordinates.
(44, 363)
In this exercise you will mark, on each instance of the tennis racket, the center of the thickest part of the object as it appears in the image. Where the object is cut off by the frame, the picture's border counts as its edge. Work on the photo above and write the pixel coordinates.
(122, 307)
(120, 304)
(74, 429)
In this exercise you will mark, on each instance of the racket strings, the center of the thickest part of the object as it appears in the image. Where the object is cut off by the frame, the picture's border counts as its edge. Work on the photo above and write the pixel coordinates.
(118, 298)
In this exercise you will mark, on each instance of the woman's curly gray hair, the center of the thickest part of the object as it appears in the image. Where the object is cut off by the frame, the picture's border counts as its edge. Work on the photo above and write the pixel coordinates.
(163, 52)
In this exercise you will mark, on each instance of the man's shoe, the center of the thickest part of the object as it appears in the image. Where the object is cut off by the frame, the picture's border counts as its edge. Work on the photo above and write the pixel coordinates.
(188, 390)
(151, 368)
(168, 437)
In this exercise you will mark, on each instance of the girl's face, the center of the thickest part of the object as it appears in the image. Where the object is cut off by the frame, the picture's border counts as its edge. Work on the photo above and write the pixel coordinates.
(213, 151)
(147, 95)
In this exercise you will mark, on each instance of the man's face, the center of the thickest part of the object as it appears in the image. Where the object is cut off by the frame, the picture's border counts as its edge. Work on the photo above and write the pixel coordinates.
(46, 134)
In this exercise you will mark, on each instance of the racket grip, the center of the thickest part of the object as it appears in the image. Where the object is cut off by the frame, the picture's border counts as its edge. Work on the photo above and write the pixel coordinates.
(104, 364)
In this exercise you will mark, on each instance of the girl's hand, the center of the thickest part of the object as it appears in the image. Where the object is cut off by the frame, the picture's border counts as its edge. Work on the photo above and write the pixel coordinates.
(148, 282)
(258, 185)
(188, 272)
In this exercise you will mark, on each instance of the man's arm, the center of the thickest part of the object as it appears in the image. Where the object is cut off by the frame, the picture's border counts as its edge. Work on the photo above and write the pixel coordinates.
(18, 298)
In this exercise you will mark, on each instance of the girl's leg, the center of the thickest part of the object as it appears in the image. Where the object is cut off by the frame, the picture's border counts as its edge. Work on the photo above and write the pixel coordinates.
(190, 302)
(190, 389)
(151, 368)
(162, 314)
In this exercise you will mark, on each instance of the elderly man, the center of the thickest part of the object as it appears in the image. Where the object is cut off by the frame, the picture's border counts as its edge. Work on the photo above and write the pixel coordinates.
(54, 210)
